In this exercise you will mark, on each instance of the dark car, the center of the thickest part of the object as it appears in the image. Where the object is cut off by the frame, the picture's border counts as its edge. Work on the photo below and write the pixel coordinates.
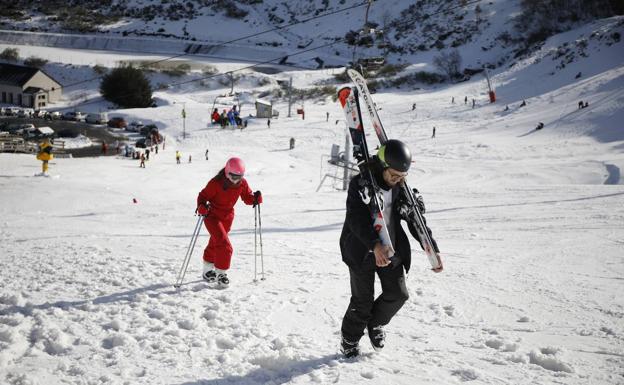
(143, 143)
(117, 122)
(148, 129)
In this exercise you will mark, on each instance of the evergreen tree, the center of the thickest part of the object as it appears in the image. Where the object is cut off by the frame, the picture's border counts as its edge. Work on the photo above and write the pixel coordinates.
(127, 87)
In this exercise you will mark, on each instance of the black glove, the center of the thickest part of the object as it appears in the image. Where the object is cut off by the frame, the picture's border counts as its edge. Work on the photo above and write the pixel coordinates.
(257, 198)
(419, 200)
(405, 207)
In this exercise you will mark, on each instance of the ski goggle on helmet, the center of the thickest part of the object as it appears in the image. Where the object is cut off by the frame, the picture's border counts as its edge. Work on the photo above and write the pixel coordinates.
(234, 169)
(394, 154)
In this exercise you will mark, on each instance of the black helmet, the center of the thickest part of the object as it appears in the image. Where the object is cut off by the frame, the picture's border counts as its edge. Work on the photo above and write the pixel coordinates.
(396, 155)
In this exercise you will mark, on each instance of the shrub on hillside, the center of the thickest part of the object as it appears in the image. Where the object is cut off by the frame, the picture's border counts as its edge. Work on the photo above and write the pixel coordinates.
(10, 54)
(127, 87)
(179, 70)
(209, 70)
(449, 63)
(34, 61)
(100, 70)
(391, 70)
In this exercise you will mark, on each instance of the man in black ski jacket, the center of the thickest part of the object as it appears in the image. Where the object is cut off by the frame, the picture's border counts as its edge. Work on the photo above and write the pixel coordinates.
(365, 255)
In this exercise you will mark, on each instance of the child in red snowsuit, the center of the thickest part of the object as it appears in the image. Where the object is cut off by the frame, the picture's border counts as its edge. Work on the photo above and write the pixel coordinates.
(216, 203)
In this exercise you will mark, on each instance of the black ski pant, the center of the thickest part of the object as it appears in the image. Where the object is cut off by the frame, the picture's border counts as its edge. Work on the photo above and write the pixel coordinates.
(366, 311)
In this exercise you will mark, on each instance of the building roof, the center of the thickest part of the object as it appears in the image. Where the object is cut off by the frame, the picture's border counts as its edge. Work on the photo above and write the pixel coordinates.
(264, 102)
(45, 130)
(33, 90)
(19, 75)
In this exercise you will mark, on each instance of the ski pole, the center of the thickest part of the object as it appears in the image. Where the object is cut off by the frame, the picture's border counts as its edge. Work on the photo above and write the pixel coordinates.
(255, 244)
(189, 252)
(261, 253)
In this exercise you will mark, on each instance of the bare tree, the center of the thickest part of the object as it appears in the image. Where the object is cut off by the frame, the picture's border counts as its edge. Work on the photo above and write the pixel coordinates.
(449, 63)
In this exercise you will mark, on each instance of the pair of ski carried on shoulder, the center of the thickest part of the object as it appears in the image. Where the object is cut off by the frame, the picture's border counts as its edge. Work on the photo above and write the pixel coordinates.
(348, 98)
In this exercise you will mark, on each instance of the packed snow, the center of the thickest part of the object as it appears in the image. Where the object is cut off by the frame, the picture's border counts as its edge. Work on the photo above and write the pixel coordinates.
(529, 223)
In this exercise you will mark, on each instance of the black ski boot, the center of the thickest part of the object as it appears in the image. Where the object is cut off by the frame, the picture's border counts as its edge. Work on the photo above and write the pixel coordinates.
(210, 276)
(377, 337)
(223, 280)
(350, 349)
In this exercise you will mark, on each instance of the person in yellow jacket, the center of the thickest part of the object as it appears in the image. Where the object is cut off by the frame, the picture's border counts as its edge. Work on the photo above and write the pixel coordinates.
(44, 154)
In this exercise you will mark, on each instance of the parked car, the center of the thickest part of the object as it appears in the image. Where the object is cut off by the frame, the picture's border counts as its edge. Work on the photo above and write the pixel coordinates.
(117, 122)
(11, 111)
(53, 115)
(97, 118)
(135, 126)
(41, 114)
(143, 143)
(25, 112)
(148, 129)
(74, 115)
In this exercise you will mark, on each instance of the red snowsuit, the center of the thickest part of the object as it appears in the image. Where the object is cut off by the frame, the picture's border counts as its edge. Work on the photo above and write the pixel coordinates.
(216, 117)
(221, 196)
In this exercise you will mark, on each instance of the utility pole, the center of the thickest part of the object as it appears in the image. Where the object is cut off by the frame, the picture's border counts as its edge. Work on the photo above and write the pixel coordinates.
(183, 121)
(289, 96)
(491, 92)
(183, 118)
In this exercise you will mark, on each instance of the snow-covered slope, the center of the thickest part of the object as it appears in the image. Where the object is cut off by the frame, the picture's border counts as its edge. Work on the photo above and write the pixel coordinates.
(529, 224)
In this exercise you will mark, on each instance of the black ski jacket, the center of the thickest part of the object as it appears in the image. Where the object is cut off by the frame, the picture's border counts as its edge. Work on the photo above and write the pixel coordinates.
(358, 236)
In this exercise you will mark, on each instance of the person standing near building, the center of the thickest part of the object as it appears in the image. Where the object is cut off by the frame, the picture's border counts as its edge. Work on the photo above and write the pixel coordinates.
(365, 255)
(216, 203)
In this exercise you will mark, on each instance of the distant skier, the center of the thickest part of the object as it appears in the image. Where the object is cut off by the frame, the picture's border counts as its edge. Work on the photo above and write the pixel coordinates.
(540, 125)
(142, 164)
(206, 154)
(364, 254)
(433, 135)
(327, 116)
(178, 156)
(413, 106)
(216, 203)
(147, 152)
(465, 99)
(269, 123)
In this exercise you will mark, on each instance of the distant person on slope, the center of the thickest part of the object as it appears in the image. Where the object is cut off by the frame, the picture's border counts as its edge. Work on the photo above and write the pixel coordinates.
(365, 255)
(216, 203)
(44, 154)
